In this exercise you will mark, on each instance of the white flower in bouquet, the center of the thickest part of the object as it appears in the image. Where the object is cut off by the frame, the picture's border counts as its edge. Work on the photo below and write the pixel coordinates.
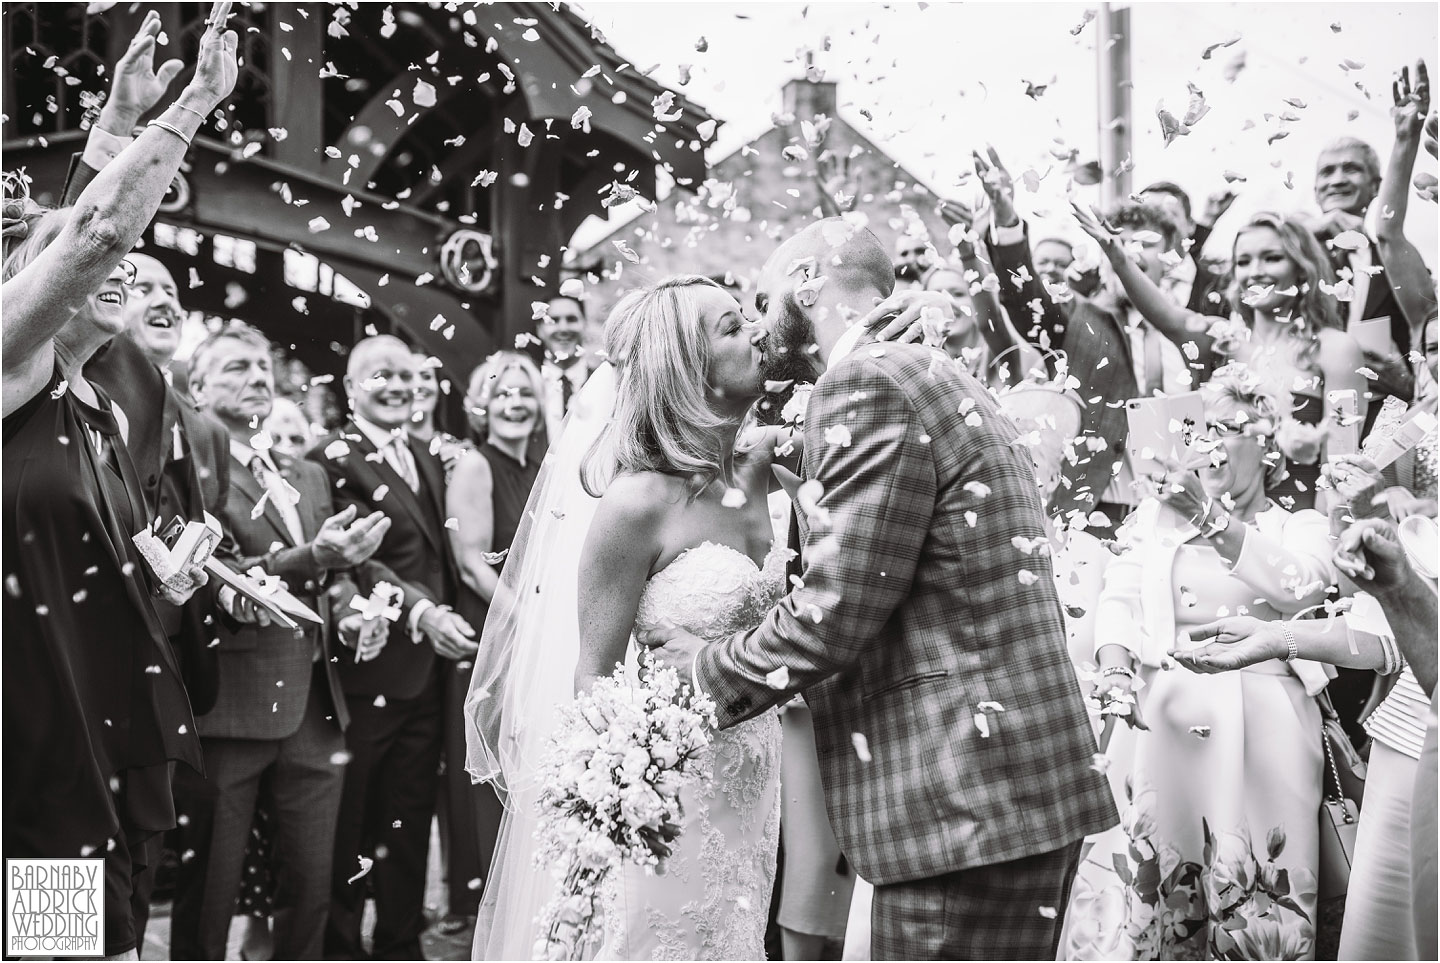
(611, 784)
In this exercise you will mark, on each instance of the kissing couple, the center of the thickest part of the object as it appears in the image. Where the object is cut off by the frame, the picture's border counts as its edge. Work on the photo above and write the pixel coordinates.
(920, 620)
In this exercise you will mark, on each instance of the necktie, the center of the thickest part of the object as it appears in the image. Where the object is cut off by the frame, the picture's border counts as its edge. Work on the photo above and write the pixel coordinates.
(567, 391)
(403, 462)
(270, 480)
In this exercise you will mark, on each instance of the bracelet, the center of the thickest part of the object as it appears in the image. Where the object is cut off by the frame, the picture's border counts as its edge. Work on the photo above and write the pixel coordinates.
(1292, 648)
(171, 128)
(1124, 670)
(192, 110)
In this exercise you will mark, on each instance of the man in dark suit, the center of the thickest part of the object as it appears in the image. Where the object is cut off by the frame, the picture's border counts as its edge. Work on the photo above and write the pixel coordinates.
(1347, 179)
(1187, 279)
(566, 361)
(923, 629)
(280, 714)
(1110, 349)
(394, 700)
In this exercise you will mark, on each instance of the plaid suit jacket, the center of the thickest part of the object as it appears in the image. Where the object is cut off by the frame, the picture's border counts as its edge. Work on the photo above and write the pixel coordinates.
(928, 640)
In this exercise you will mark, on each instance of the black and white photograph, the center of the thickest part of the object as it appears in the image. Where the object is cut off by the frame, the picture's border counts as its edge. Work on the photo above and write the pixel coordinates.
(750, 481)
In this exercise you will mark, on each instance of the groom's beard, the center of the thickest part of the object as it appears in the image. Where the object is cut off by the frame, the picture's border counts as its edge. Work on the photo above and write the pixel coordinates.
(785, 358)
(789, 348)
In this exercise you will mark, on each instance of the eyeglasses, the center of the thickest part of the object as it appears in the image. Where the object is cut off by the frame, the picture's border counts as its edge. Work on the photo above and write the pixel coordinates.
(127, 272)
(1224, 429)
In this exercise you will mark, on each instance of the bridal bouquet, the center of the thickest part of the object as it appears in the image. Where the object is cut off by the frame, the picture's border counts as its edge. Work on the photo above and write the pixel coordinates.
(610, 793)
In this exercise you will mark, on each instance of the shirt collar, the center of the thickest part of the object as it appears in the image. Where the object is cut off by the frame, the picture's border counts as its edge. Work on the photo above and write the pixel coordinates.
(381, 438)
(847, 343)
(245, 454)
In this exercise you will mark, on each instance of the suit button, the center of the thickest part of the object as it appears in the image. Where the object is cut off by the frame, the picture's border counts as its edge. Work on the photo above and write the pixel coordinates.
(151, 481)
(310, 586)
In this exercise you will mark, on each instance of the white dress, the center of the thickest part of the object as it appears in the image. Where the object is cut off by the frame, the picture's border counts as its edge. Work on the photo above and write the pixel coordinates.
(714, 899)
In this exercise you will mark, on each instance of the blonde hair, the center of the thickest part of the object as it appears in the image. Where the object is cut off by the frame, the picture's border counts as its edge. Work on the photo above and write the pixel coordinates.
(45, 225)
(486, 377)
(1249, 392)
(663, 421)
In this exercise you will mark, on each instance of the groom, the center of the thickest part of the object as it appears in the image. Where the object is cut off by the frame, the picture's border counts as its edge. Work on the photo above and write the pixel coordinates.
(926, 633)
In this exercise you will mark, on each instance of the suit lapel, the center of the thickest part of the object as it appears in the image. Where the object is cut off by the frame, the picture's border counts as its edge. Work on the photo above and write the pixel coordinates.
(396, 486)
(432, 474)
(242, 479)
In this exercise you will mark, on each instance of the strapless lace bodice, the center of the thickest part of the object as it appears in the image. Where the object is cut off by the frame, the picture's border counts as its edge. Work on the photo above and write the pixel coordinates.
(713, 590)
(712, 903)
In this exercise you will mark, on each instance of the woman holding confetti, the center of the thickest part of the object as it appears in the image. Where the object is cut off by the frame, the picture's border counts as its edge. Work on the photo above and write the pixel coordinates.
(1223, 772)
(95, 709)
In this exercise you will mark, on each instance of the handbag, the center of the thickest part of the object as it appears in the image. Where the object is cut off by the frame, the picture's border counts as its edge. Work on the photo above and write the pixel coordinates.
(1342, 786)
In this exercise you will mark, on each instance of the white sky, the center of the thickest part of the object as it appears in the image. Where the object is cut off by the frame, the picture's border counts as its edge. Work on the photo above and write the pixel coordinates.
(942, 78)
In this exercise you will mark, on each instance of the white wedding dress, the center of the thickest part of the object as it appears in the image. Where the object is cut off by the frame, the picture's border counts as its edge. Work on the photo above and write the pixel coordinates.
(713, 901)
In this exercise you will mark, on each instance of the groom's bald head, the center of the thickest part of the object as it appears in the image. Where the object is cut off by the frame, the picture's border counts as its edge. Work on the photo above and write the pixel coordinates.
(813, 287)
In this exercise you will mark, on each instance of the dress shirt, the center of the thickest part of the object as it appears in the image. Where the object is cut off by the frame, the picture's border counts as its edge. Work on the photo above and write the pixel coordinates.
(394, 447)
(282, 494)
(552, 374)
(102, 147)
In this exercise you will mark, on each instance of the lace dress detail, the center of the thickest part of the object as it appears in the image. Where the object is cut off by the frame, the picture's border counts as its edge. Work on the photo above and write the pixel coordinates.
(713, 901)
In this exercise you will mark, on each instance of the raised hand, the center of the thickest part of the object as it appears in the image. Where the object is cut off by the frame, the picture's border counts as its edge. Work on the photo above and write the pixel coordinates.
(1358, 482)
(1105, 236)
(998, 185)
(1431, 134)
(1215, 207)
(839, 191)
(215, 66)
(1412, 101)
(1236, 642)
(137, 86)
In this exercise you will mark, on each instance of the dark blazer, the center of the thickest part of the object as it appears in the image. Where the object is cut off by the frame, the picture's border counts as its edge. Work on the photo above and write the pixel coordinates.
(415, 554)
(1091, 333)
(265, 672)
(919, 613)
(182, 462)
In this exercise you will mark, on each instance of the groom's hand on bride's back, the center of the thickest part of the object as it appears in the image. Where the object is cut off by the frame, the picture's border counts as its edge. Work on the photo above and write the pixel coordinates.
(910, 316)
(671, 645)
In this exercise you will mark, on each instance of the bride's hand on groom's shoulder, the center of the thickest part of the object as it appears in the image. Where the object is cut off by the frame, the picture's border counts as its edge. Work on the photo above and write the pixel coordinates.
(908, 317)
(671, 646)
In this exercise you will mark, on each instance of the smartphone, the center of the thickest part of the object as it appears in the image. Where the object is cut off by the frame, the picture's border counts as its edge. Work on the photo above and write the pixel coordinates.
(1343, 430)
(1163, 432)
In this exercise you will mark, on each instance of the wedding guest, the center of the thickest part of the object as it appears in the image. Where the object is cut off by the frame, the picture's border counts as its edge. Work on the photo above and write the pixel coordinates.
(1380, 922)
(288, 427)
(567, 363)
(1187, 279)
(1285, 328)
(95, 708)
(1111, 346)
(912, 257)
(394, 700)
(422, 424)
(1053, 257)
(981, 337)
(1411, 284)
(1227, 778)
(486, 497)
(280, 717)
(1347, 181)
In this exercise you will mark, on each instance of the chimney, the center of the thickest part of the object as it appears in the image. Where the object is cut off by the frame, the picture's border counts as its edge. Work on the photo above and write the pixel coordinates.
(803, 98)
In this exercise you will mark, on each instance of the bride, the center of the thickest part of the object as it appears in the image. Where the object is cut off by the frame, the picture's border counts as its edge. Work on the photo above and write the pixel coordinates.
(668, 500)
